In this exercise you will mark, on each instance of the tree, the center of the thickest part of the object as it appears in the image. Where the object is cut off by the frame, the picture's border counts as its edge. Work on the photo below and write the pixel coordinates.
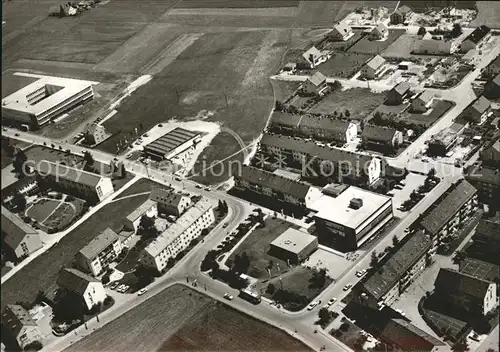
(19, 159)
(271, 289)
(88, 159)
(19, 202)
(147, 227)
(33, 346)
(318, 278)
(456, 31)
(374, 259)
(336, 85)
(395, 241)
(421, 31)
(347, 113)
(460, 346)
(324, 315)
(431, 173)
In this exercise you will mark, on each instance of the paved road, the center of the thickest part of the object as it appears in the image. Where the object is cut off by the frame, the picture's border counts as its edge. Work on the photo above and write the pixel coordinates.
(491, 342)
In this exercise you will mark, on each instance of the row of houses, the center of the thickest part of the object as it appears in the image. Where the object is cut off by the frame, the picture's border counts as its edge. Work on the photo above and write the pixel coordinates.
(400, 268)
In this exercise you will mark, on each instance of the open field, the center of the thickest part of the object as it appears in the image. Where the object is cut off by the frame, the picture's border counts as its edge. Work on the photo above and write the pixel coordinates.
(422, 6)
(488, 14)
(42, 272)
(343, 65)
(359, 101)
(193, 4)
(283, 89)
(376, 46)
(12, 83)
(402, 47)
(439, 109)
(187, 320)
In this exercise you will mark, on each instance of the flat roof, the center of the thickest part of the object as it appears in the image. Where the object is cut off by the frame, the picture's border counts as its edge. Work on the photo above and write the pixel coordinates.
(293, 240)
(173, 139)
(69, 87)
(337, 209)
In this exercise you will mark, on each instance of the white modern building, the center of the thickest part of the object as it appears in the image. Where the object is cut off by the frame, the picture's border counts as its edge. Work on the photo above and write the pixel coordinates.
(41, 101)
(177, 237)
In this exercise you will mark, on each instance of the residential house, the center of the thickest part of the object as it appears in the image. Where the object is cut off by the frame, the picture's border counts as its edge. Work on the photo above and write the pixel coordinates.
(170, 202)
(453, 209)
(341, 32)
(382, 136)
(432, 47)
(315, 57)
(275, 186)
(316, 160)
(20, 238)
(96, 256)
(422, 102)
(395, 272)
(374, 68)
(477, 111)
(490, 155)
(402, 334)
(87, 289)
(19, 326)
(466, 292)
(486, 179)
(473, 40)
(132, 220)
(177, 237)
(398, 94)
(379, 33)
(486, 239)
(493, 67)
(95, 134)
(445, 140)
(492, 88)
(315, 84)
(72, 180)
(400, 14)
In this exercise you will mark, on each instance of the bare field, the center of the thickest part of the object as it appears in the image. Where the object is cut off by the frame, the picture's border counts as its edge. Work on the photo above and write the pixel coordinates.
(180, 318)
(344, 65)
(230, 21)
(268, 11)
(375, 46)
(127, 11)
(193, 4)
(488, 14)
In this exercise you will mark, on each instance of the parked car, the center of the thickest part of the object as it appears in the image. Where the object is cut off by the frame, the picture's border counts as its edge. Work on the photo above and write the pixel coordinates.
(330, 302)
(360, 273)
(474, 336)
(177, 178)
(400, 311)
(226, 224)
(114, 285)
(312, 305)
(198, 186)
(16, 134)
(228, 296)
(208, 189)
(347, 287)
(142, 291)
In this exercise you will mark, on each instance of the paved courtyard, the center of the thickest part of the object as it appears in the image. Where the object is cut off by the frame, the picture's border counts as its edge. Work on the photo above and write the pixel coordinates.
(335, 264)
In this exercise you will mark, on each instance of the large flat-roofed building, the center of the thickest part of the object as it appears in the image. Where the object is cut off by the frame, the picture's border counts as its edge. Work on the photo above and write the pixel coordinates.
(96, 256)
(175, 142)
(453, 208)
(18, 236)
(272, 185)
(83, 183)
(315, 160)
(177, 237)
(347, 221)
(396, 272)
(39, 102)
(293, 246)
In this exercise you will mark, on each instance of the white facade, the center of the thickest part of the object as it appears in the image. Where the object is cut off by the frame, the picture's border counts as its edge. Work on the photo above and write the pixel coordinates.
(104, 188)
(352, 132)
(490, 299)
(94, 294)
(418, 105)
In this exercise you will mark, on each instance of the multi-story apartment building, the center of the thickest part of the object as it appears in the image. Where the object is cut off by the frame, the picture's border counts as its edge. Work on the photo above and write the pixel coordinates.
(275, 186)
(19, 237)
(453, 208)
(19, 326)
(82, 183)
(96, 256)
(169, 202)
(487, 181)
(396, 272)
(314, 160)
(88, 290)
(177, 237)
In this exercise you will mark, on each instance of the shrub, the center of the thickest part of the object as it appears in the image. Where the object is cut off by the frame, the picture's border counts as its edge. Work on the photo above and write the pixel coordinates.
(34, 346)
(344, 327)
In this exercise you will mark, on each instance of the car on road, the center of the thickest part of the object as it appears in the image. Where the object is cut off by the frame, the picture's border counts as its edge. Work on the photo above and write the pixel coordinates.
(312, 305)
(128, 156)
(330, 302)
(226, 224)
(228, 296)
(16, 134)
(123, 288)
(142, 291)
(360, 273)
(198, 186)
(347, 287)
(398, 187)
(178, 178)
(208, 189)
(400, 311)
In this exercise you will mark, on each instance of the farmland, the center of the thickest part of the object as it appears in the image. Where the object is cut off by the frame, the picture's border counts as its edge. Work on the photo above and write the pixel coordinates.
(42, 272)
(187, 320)
(236, 4)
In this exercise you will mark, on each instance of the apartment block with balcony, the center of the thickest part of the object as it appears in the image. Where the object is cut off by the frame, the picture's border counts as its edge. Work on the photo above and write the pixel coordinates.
(96, 256)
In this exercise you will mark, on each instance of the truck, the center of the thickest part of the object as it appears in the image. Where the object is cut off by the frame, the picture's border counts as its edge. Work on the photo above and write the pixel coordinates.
(250, 296)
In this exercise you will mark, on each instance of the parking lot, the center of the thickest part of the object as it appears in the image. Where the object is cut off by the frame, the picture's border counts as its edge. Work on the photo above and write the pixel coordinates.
(411, 183)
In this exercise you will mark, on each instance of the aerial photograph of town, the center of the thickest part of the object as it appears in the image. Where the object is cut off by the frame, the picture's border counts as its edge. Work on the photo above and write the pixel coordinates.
(250, 175)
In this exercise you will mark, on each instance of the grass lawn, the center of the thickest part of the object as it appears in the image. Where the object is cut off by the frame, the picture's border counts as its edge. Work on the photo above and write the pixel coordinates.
(42, 272)
(422, 6)
(192, 4)
(187, 320)
(65, 214)
(256, 245)
(42, 209)
(359, 101)
(343, 65)
(402, 47)
(349, 337)
(5, 270)
(375, 46)
(140, 186)
(488, 14)
(284, 89)
(440, 108)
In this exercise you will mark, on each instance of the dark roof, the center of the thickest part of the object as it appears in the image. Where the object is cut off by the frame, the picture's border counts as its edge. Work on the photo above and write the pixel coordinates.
(480, 269)
(74, 280)
(15, 317)
(484, 174)
(487, 229)
(409, 252)
(99, 243)
(378, 133)
(285, 119)
(357, 162)
(408, 337)
(425, 96)
(478, 34)
(273, 181)
(401, 88)
(68, 173)
(403, 9)
(14, 229)
(165, 196)
(168, 142)
(454, 282)
(447, 206)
